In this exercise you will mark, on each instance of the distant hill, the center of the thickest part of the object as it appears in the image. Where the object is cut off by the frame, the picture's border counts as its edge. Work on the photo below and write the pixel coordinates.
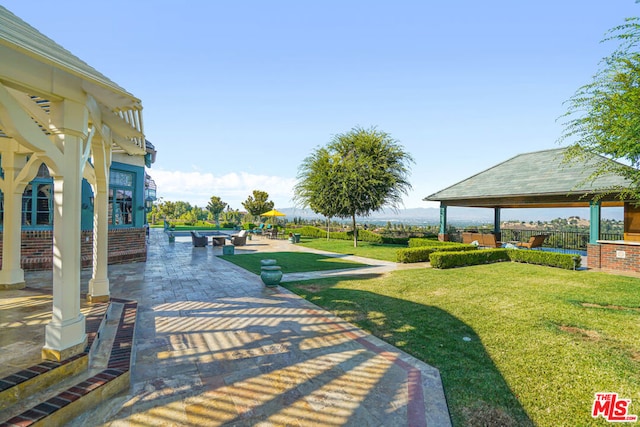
(465, 215)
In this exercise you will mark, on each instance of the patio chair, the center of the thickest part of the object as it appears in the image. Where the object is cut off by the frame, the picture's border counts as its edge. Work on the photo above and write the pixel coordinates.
(258, 230)
(239, 239)
(198, 240)
(534, 242)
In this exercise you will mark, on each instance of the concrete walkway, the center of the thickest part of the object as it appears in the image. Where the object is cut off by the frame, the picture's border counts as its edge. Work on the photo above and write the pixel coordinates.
(214, 347)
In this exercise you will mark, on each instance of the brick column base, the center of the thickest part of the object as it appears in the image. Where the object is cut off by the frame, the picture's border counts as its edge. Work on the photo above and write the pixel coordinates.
(594, 255)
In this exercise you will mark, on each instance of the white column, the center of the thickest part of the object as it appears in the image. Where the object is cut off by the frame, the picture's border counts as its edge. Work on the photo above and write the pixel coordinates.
(99, 283)
(12, 275)
(65, 334)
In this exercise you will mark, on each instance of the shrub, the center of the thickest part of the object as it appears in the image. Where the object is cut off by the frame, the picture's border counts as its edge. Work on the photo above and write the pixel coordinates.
(387, 240)
(419, 242)
(363, 235)
(309, 231)
(228, 225)
(368, 236)
(421, 254)
(446, 259)
(551, 259)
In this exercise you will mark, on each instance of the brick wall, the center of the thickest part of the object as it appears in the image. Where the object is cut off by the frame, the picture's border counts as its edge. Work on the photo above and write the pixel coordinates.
(593, 255)
(125, 245)
(610, 257)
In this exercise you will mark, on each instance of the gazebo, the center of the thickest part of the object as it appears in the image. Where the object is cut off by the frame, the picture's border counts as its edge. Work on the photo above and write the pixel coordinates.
(543, 179)
(63, 119)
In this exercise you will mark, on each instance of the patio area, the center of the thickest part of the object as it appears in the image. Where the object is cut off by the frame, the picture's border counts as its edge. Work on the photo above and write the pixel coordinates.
(214, 346)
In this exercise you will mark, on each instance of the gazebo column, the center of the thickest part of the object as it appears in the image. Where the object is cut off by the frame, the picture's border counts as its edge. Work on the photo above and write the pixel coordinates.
(65, 334)
(442, 235)
(12, 275)
(99, 283)
(496, 223)
(594, 222)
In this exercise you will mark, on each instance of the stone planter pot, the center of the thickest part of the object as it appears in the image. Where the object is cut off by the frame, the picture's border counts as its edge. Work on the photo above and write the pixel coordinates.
(270, 273)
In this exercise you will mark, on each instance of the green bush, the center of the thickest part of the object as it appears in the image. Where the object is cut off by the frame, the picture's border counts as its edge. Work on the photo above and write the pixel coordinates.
(420, 242)
(309, 231)
(368, 236)
(551, 259)
(421, 254)
(445, 259)
(395, 240)
(227, 225)
(363, 235)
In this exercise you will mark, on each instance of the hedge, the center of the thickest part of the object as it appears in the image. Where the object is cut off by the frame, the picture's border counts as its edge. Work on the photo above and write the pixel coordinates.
(316, 232)
(551, 259)
(445, 259)
(421, 254)
(421, 242)
(395, 240)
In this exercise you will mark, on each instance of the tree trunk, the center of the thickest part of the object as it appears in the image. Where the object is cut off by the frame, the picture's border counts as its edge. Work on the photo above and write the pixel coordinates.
(355, 232)
(328, 222)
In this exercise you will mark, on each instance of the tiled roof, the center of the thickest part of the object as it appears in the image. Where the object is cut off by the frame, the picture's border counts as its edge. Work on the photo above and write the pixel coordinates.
(537, 175)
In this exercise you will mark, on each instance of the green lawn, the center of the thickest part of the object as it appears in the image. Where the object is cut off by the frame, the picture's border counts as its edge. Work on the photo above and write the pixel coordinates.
(542, 342)
(291, 262)
(364, 249)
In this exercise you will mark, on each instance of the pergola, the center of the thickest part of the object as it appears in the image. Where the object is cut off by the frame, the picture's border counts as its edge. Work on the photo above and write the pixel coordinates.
(541, 179)
(57, 110)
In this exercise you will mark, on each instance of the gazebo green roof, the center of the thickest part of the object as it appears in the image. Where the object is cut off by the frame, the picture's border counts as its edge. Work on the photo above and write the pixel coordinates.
(538, 179)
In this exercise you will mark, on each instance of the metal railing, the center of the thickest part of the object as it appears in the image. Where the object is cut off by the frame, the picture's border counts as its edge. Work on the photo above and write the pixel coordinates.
(570, 240)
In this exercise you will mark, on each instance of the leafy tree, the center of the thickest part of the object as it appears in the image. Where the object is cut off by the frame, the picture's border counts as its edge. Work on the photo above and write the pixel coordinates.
(181, 208)
(318, 184)
(215, 206)
(357, 173)
(259, 203)
(166, 209)
(231, 215)
(604, 115)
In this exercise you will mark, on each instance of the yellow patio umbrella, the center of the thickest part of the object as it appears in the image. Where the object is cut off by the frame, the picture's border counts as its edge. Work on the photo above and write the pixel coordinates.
(273, 213)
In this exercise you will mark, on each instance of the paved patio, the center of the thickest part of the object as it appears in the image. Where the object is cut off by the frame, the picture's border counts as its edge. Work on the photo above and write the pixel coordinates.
(213, 346)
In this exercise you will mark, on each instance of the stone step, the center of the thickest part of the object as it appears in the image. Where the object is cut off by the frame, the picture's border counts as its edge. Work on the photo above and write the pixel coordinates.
(53, 393)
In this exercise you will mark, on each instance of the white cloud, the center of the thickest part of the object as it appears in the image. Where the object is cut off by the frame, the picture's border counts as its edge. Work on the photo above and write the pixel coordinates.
(233, 188)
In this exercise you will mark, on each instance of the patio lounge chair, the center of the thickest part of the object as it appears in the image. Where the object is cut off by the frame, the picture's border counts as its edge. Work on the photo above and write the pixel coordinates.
(239, 239)
(534, 242)
(198, 240)
(258, 230)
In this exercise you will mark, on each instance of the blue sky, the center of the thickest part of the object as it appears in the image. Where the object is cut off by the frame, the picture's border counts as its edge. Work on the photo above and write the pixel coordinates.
(237, 93)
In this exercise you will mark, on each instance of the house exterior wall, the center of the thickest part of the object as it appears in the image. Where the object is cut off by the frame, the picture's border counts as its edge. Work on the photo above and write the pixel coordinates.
(125, 245)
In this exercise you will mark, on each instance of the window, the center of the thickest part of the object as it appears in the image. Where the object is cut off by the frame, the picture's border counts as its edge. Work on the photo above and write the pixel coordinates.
(37, 200)
(36, 204)
(121, 198)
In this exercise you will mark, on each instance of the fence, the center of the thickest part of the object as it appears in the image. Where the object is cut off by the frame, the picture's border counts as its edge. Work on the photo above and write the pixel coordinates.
(572, 240)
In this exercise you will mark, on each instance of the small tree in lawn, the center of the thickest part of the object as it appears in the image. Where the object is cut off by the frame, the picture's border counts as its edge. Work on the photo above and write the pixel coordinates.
(357, 173)
(605, 114)
(318, 184)
(258, 204)
(215, 206)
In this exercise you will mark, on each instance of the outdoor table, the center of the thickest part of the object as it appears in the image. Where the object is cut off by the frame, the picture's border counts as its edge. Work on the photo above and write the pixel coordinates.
(218, 240)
